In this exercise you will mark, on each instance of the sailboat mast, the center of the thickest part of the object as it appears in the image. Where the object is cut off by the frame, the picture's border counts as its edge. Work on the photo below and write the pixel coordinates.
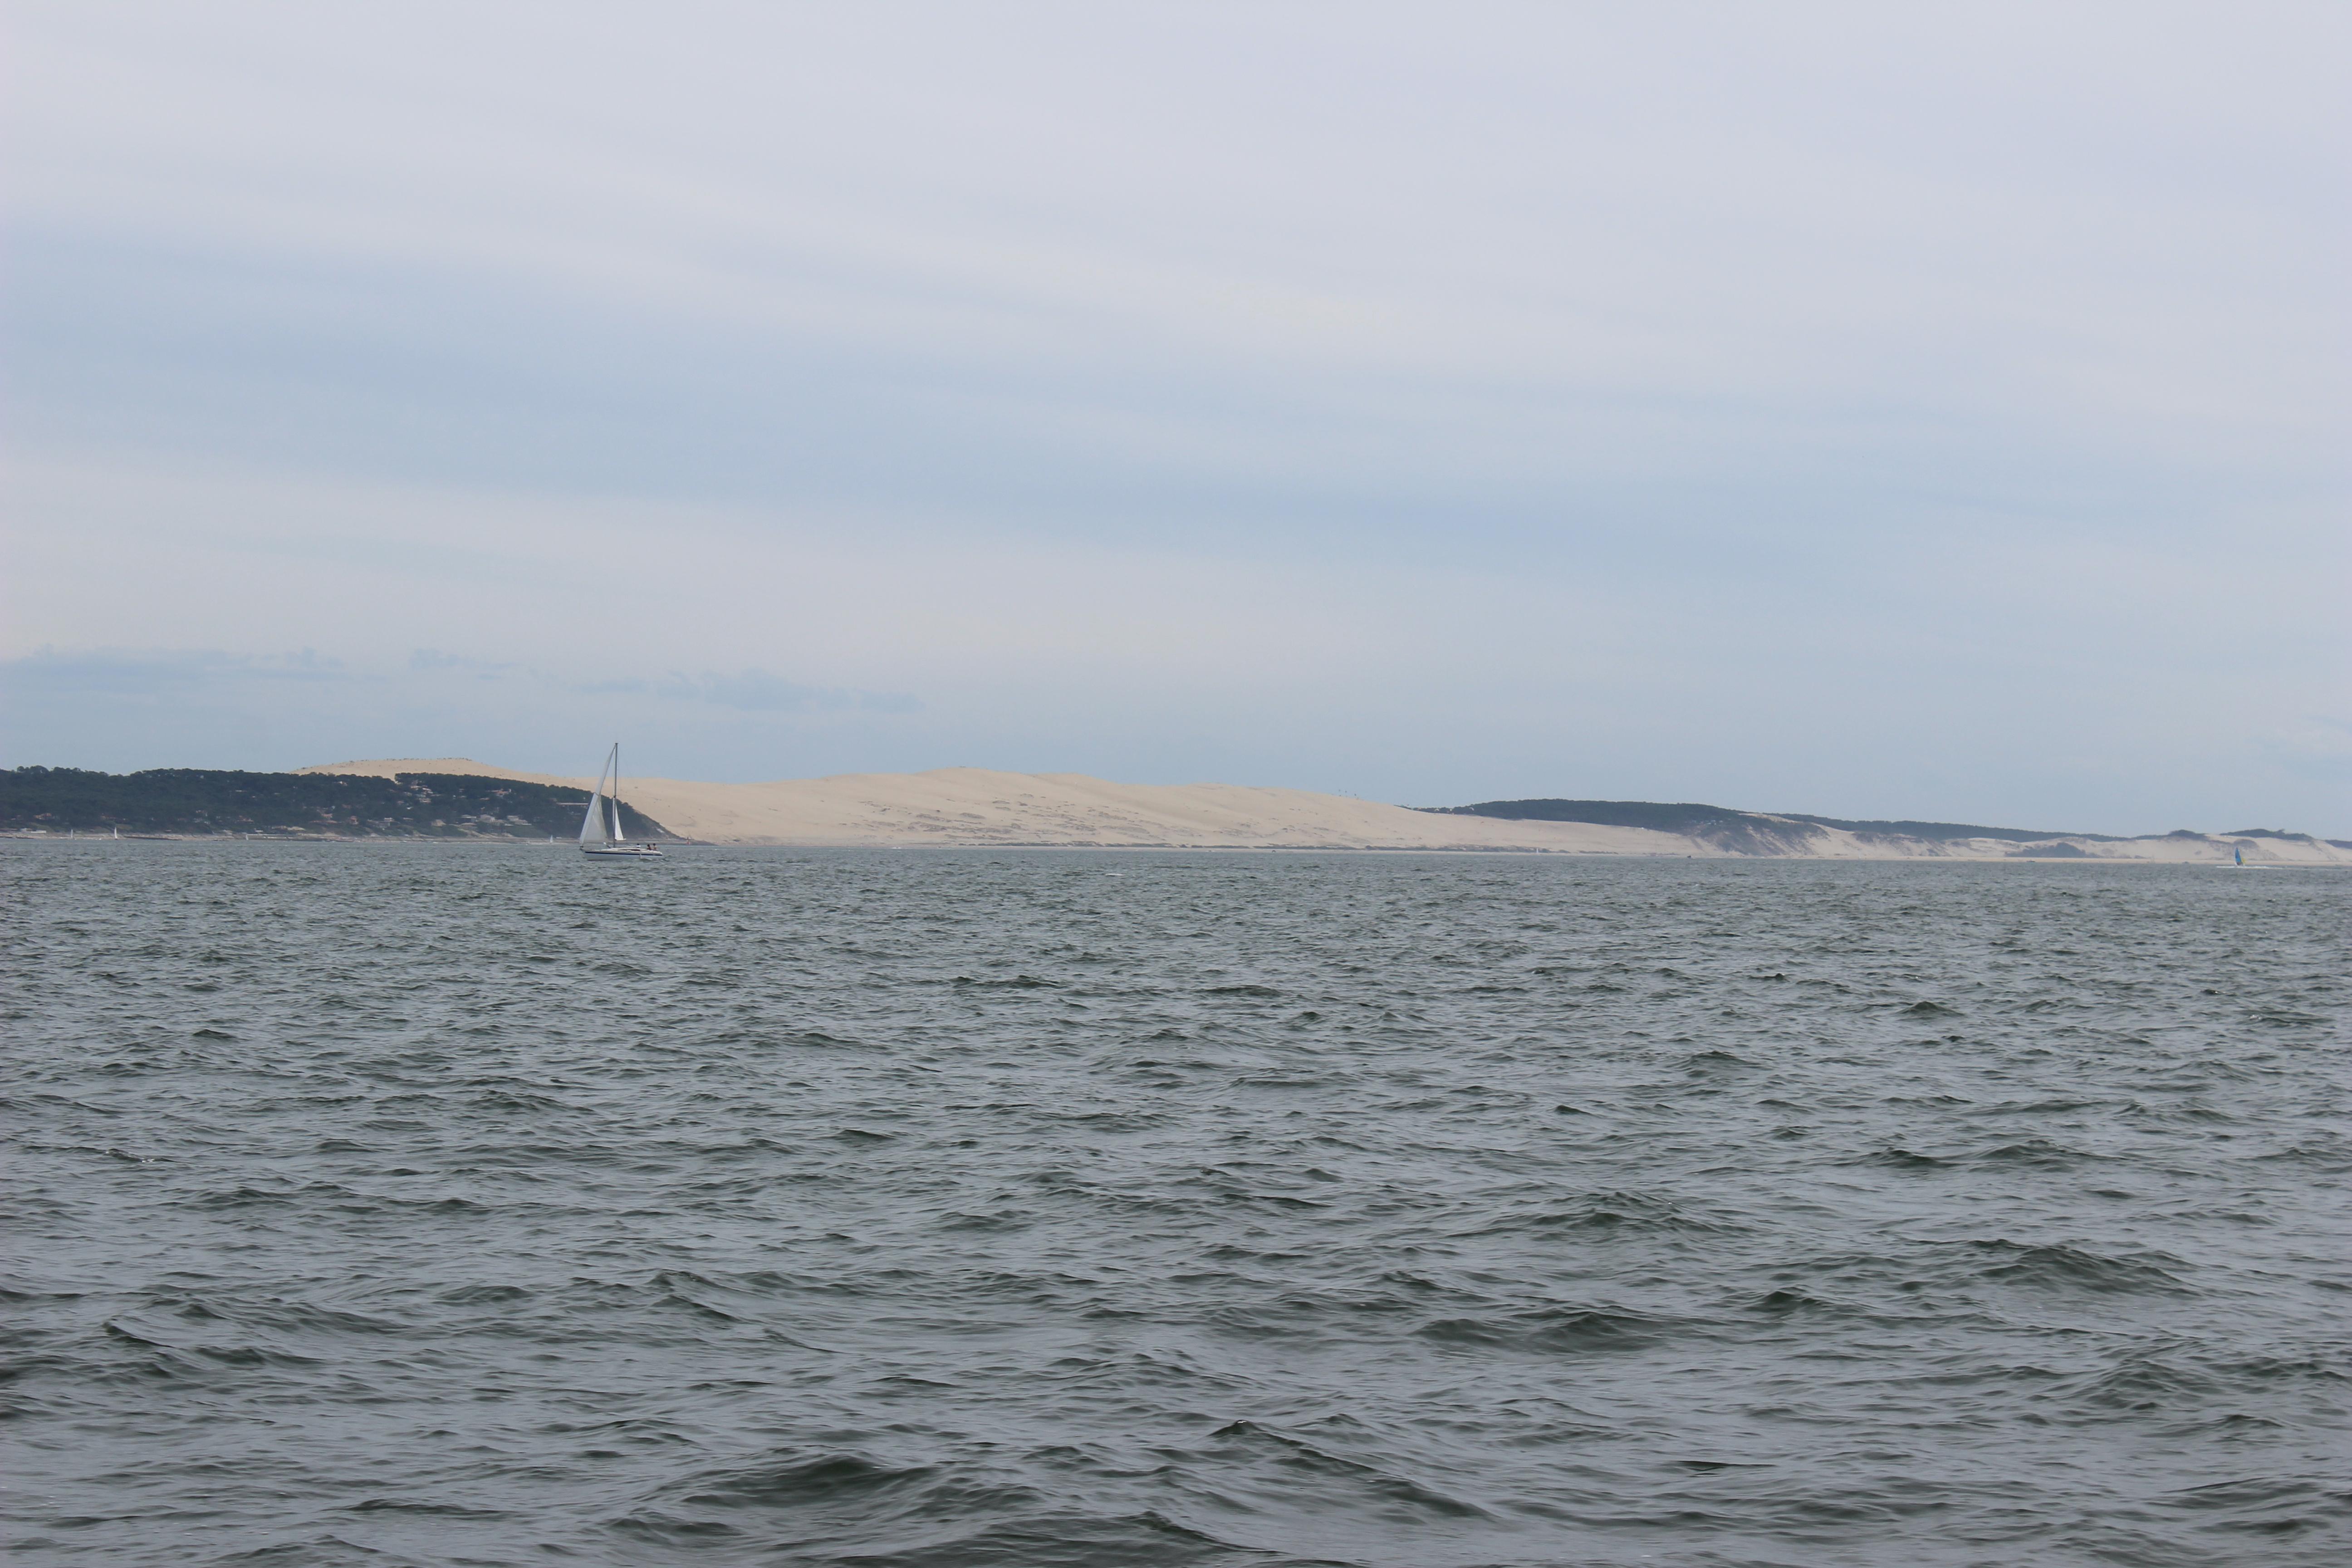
(617, 835)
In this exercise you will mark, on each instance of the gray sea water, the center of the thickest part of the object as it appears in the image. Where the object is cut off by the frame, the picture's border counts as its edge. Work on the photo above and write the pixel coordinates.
(409, 1204)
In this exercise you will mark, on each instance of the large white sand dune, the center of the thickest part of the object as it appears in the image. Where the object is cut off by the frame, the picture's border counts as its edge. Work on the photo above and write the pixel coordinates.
(972, 807)
(980, 806)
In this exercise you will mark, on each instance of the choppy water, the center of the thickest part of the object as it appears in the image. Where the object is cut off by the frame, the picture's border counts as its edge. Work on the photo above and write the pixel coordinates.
(434, 1204)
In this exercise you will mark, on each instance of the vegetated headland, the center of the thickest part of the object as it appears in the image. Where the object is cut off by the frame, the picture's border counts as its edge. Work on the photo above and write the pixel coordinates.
(206, 802)
(456, 798)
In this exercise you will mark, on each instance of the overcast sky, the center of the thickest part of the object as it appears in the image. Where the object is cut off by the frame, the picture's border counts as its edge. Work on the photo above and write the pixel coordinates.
(1881, 411)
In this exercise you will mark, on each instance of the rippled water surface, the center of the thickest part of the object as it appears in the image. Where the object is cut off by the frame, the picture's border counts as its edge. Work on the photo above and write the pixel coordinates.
(446, 1204)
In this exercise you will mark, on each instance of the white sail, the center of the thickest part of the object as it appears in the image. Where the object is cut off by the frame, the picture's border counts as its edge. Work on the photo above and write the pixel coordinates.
(601, 833)
(592, 827)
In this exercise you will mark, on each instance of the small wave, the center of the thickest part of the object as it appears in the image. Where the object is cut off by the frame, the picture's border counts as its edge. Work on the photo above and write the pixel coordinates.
(2069, 1268)
(506, 1098)
(1900, 1159)
(1716, 1061)
(2266, 1374)
(115, 1331)
(1295, 1454)
(442, 1510)
(317, 1552)
(252, 1355)
(799, 1481)
(2270, 1508)
(668, 1529)
(1066, 1540)
(2034, 1154)
(2146, 1384)
(482, 1295)
(1553, 1331)
(1602, 1214)
(2038, 1107)
(840, 1496)
(240, 1198)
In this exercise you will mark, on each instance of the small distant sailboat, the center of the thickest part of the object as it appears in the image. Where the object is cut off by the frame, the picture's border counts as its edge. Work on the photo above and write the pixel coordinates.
(600, 832)
(2237, 853)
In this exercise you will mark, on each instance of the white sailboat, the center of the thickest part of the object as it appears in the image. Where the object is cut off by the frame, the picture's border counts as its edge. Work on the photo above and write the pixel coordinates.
(600, 831)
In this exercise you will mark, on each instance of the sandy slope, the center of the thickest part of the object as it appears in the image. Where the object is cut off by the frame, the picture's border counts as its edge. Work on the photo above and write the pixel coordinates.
(976, 805)
(979, 806)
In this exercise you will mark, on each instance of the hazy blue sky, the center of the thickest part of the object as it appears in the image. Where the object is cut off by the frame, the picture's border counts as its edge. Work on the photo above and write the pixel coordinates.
(1873, 410)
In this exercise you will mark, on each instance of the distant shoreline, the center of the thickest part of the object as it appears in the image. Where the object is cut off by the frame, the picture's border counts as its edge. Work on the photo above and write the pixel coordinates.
(490, 842)
(459, 800)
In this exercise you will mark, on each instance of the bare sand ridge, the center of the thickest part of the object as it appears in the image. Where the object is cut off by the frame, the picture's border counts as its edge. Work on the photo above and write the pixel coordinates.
(978, 806)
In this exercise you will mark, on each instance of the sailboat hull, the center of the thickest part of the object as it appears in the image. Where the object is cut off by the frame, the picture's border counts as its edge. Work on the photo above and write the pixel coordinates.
(625, 851)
